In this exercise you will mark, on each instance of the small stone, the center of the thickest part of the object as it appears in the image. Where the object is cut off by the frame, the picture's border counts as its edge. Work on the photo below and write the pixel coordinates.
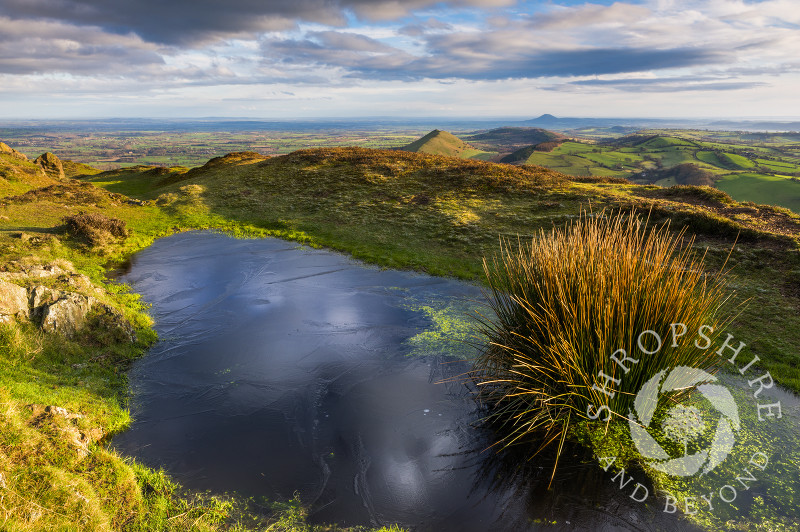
(13, 301)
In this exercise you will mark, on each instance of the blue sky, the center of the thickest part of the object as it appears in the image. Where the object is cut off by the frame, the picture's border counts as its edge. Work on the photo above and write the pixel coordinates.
(360, 58)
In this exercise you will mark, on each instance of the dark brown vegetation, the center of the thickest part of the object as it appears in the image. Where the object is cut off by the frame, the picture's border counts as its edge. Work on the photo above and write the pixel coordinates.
(548, 146)
(94, 228)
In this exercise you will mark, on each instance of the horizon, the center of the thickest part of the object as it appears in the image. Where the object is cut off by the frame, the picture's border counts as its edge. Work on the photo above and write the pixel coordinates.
(359, 59)
(409, 119)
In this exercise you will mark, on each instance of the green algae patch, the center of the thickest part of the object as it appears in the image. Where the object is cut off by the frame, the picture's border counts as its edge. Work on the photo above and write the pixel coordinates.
(452, 331)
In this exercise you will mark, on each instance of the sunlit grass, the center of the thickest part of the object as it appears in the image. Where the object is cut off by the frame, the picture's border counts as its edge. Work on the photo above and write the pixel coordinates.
(394, 209)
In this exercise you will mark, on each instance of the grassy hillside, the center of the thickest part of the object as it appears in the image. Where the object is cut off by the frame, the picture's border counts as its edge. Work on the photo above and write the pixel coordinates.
(443, 143)
(393, 208)
(451, 212)
(18, 174)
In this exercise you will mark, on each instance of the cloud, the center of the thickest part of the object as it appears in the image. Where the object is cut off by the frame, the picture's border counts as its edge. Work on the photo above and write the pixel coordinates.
(680, 84)
(478, 56)
(334, 49)
(182, 47)
(201, 21)
(575, 41)
(617, 14)
(42, 46)
(423, 28)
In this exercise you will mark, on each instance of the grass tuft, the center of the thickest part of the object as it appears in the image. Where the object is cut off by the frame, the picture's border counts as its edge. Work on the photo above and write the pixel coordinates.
(564, 303)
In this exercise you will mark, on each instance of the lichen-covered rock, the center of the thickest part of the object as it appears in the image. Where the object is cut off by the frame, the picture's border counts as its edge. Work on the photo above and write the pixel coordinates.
(13, 302)
(39, 271)
(58, 311)
(79, 281)
(47, 270)
(67, 315)
(51, 165)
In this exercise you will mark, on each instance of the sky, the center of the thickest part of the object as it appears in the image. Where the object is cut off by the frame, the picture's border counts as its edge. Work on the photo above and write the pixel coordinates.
(276, 59)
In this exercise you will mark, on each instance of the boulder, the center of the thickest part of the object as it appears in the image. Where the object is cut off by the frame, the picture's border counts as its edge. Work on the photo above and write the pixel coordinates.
(47, 270)
(81, 282)
(13, 302)
(51, 165)
(67, 315)
(61, 311)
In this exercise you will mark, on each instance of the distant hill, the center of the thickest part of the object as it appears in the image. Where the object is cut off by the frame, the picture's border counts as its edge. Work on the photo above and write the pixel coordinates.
(509, 139)
(442, 143)
(612, 125)
(546, 118)
(522, 155)
(751, 125)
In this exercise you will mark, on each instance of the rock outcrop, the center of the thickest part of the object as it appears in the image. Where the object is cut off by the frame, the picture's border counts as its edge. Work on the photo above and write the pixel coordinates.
(37, 271)
(64, 312)
(5, 148)
(51, 165)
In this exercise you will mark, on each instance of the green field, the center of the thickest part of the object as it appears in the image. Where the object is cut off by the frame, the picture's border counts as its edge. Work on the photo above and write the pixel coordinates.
(760, 188)
(647, 156)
